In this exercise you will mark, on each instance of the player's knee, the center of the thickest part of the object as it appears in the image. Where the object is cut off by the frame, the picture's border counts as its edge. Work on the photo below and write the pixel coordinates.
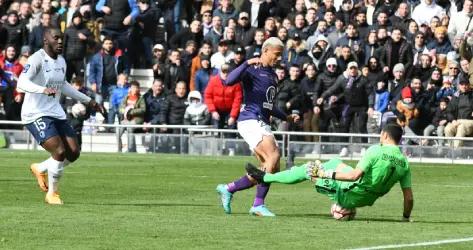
(73, 156)
(59, 153)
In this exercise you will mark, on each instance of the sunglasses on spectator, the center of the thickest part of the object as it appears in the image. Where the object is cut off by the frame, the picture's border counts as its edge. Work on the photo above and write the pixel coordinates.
(244, 18)
(331, 65)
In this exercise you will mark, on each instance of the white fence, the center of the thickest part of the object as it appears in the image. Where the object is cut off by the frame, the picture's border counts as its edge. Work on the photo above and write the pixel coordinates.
(203, 140)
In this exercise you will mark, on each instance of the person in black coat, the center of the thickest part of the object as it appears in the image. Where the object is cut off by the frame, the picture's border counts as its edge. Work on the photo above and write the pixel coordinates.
(173, 113)
(155, 100)
(16, 32)
(36, 36)
(308, 89)
(76, 38)
(175, 71)
(193, 33)
(143, 34)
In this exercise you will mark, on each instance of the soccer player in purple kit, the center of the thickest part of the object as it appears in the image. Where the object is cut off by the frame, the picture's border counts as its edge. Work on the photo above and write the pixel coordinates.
(259, 82)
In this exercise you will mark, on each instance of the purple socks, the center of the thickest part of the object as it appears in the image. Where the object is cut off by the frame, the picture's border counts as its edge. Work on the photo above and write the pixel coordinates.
(240, 184)
(245, 183)
(261, 192)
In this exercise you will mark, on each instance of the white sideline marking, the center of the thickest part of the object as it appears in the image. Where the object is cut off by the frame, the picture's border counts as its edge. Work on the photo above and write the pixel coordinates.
(427, 243)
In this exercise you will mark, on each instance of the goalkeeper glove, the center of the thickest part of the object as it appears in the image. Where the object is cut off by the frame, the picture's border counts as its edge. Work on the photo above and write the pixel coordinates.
(316, 170)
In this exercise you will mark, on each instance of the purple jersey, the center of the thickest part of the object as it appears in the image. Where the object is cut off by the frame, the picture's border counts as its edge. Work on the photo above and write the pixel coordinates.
(259, 88)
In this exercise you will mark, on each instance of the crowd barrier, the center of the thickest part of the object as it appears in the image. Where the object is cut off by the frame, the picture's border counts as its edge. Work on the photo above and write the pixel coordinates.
(204, 140)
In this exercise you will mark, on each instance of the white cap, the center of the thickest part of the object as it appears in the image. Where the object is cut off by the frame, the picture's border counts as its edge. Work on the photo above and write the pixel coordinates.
(331, 61)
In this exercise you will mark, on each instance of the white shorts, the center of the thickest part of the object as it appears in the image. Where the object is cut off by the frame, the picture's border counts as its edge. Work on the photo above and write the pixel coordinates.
(253, 131)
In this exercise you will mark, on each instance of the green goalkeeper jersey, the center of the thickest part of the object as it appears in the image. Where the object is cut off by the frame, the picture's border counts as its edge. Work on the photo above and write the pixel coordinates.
(383, 166)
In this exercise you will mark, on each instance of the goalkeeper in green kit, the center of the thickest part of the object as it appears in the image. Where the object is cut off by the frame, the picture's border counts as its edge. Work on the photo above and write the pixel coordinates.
(382, 166)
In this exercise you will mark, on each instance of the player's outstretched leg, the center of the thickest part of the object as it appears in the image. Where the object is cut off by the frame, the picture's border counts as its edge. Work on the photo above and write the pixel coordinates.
(294, 175)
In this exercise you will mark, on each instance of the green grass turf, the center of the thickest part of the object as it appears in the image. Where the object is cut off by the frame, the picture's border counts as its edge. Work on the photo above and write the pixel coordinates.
(127, 201)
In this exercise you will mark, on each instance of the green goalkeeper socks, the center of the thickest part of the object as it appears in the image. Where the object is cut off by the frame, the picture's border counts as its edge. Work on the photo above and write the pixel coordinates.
(292, 176)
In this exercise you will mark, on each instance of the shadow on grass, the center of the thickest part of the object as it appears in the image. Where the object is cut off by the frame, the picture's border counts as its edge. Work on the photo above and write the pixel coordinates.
(144, 204)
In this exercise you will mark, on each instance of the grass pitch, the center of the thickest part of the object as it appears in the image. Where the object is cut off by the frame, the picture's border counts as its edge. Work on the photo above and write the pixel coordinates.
(126, 201)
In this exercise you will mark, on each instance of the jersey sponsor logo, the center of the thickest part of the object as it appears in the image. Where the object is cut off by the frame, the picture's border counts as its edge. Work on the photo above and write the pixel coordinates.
(26, 68)
(270, 94)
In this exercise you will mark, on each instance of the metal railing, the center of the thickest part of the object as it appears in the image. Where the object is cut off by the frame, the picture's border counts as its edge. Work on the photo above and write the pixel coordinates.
(202, 140)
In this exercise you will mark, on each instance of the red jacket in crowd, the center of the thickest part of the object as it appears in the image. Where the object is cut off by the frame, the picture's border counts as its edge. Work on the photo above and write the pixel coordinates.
(221, 98)
(15, 68)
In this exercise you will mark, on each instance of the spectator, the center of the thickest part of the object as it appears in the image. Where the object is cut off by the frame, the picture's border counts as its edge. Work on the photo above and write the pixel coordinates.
(159, 57)
(351, 39)
(320, 31)
(16, 32)
(344, 56)
(370, 48)
(295, 52)
(229, 36)
(175, 107)
(244, 32)
(36, 15)
(354, 89)
(76, 38)
(189, 52)
(460, 113)
(225, 11)
(238, 58)
(423, 70)
(206, 22)
(426, 10)
(311, 21)
(440, 44)
(406, 106)
(222, 56)
(401, 16)
(255, 48)
(205, 50)
(144, 32)
(337, 33)
(320, 52)
(103, 70)
(197, 112)
(223, 101)
(10, 70)
(193, 33)
(36, 35)
(132, 109)
(461, 22)
(419, 47)
(308, 90)
(299, 26)
(47, 7)
(203, 74)
(116, 98)
(155, 99)
(288, 97)
(175, 71)
(375, 73)
(118, 17)
(259, 11)
(396, 50)
(381, 103)
(216, 33)
(25, 15)
(439, 122)
(453, 73)
(360, 21)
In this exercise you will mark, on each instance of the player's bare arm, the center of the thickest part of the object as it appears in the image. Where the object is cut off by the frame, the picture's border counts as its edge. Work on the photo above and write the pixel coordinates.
(408, 203)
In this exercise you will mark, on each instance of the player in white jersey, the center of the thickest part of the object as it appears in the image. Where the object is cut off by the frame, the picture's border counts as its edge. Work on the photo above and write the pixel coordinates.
(43, 81)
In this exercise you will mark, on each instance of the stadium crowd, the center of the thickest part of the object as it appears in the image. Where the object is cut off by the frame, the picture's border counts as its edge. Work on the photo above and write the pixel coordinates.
(348, 65)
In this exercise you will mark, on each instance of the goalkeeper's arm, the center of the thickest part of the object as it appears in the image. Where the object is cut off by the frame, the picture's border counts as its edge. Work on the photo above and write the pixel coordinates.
(352, 175)
(408, 203)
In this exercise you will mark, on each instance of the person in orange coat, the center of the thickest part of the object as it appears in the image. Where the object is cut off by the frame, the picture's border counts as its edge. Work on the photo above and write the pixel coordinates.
(406, 105)
(223, 101)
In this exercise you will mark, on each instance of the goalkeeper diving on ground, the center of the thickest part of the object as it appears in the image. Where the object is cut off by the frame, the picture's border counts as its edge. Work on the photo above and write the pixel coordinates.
(382, 166)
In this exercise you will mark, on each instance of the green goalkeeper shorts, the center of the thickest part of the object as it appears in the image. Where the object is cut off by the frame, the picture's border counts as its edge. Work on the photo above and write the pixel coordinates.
(333, 188)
